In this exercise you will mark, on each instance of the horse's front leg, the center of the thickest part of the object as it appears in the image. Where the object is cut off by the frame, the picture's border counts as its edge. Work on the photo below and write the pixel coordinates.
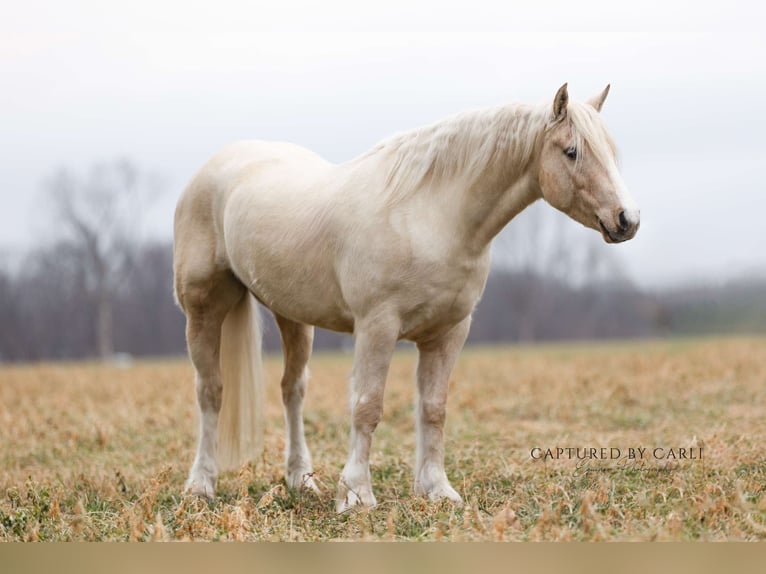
(435, 362)
(376, 338)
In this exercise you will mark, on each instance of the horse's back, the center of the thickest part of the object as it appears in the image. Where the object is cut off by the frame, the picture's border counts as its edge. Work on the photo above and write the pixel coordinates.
(244, 162)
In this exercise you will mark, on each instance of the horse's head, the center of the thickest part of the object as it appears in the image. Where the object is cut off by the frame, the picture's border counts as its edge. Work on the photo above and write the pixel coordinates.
(578, 169)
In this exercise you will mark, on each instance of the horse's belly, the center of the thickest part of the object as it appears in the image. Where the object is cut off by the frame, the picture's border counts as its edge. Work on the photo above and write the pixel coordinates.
(308, 300)
(294, 283)
(294, 279)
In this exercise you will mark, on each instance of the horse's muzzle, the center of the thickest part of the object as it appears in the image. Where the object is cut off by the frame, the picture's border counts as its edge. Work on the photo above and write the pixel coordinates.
(626, 230)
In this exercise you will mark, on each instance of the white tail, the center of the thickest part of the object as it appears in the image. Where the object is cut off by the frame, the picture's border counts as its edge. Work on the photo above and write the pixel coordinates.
(240, 422)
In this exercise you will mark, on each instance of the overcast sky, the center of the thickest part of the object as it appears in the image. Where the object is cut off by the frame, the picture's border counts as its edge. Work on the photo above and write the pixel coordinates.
(168, 83)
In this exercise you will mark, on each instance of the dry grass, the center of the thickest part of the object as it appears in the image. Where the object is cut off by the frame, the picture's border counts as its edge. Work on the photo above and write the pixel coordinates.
(93, 452)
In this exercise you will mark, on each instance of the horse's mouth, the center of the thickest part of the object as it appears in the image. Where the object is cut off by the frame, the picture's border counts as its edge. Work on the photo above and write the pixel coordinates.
(610, 237)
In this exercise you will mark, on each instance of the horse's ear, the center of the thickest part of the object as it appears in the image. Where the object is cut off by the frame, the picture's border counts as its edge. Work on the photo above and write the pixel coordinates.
(598, 101)
(560, 104)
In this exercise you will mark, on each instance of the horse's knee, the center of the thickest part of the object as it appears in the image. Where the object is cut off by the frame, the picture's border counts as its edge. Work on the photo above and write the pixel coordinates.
(368, 411)
(433, 413)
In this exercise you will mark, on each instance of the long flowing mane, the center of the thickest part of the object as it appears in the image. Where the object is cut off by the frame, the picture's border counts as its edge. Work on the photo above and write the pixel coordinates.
(464, 146)
(460, 147)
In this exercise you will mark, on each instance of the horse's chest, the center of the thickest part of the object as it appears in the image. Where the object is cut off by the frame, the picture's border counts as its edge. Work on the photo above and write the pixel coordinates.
(440, 300)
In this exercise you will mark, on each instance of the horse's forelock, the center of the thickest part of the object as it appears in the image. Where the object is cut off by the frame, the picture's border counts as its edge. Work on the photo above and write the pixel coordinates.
(588, 128)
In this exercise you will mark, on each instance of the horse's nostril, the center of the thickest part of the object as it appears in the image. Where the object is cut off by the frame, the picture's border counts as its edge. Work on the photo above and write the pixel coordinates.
(623, 221)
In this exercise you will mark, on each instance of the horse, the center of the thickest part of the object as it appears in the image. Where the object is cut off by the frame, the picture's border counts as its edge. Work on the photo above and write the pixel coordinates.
(392, 245)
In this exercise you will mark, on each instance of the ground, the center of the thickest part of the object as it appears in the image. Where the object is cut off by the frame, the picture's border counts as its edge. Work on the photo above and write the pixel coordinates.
(97, 452)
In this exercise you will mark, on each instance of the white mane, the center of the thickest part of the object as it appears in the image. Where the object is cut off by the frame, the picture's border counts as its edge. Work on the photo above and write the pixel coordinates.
(461, 147)
(464, 146)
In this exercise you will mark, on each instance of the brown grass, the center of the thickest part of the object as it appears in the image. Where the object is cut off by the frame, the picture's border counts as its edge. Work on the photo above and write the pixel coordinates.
(95, 452)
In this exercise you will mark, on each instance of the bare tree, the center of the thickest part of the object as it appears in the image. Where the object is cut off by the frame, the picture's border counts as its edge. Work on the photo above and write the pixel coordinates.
(98, 217)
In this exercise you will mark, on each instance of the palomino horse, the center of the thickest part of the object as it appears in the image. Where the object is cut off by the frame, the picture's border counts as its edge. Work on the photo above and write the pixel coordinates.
(392, 245)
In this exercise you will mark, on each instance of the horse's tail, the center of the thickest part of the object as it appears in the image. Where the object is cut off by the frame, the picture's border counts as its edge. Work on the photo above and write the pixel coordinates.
(240, 423)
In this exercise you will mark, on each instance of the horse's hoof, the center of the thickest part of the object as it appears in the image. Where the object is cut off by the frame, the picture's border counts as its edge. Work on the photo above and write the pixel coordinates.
(302, 480)
(204, 487)
(348, 498)
(440, 491)
(445, 492)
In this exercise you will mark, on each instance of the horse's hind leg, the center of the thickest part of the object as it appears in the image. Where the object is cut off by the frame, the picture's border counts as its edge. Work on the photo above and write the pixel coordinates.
(297, 340)
(206, 303)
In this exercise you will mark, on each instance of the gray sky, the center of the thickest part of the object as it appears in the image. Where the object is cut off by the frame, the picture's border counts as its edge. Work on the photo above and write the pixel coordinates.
(168, 83)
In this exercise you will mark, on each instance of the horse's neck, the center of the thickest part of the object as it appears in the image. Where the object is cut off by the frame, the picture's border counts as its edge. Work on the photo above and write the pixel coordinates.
(476, 169)
(485, 219)
(506, 185)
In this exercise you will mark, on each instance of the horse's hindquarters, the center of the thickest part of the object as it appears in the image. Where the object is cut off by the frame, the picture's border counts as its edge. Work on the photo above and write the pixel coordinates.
(283, 247)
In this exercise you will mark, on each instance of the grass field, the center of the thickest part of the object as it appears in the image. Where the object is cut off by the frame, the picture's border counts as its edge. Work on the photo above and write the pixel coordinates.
(95, 452)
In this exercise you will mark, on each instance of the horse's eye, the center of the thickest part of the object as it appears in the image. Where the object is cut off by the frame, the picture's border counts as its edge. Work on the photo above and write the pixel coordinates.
(571, 152)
